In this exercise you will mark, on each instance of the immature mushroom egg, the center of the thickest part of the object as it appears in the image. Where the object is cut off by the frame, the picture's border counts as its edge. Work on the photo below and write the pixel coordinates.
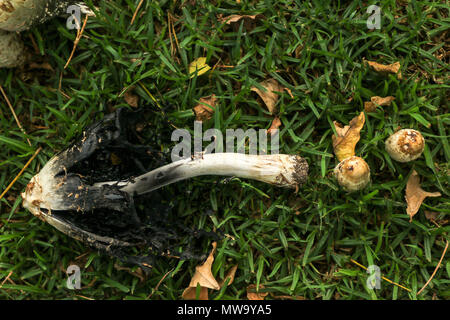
(352, 173)
(405, 145)
(11, 50)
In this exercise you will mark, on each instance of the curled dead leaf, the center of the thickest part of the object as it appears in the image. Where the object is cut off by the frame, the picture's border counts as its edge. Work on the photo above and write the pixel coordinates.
(269, 96)
(203, 274)
(236, 17)
(190, 293)
(415, 194)
(204, 110)
(431, 215)
(393, 68)
(230, 276)
(235, 20)
(253, 295)
(347, 137)
(371, 106)
(131, 99)
(203, 277)
(44, 65)
(276, 123)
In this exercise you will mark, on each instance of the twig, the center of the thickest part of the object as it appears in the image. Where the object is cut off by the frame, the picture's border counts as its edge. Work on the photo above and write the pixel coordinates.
(172, 49)
(435, 270)
(84, 297)
(382, 277)
(77, 39)
(6, 279)
(136, 11)
(172, 32)
(21, 171)
(35, 46)
(60, 86)
(14, 114)
(159, 283)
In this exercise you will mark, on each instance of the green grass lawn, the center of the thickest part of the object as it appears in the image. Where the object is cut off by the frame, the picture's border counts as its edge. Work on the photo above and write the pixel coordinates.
(294, 244)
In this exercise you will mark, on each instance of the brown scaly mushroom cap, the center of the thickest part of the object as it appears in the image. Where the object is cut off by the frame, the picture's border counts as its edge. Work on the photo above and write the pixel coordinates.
(405, 145)
(352, 173)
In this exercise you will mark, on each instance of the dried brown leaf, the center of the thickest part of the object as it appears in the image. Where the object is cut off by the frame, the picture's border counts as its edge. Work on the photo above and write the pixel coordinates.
(393, 68)
(431, 215)
(44, 65)
(230, 275)
(253, 295)
(289, 92)
(347, 137)
(190, 293)
(415, 194)
(131, 99)
(236, 17)
(203, 274)
(371, 106)
(269, 96)
(276, 123)
(203, 277)
(203, 110)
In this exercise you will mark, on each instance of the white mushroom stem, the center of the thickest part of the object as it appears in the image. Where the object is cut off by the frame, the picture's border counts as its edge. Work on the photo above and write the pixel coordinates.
(55, 189)
(280, 169)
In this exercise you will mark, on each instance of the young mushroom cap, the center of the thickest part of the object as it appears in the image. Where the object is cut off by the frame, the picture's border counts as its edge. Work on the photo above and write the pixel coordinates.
(11, 50)
(405, 145)
(352, 173)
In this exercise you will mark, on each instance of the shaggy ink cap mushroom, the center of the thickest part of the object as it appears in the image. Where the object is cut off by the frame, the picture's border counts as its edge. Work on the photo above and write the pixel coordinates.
(103, 207)
(19, 15)
(352, 174)
(405, 145)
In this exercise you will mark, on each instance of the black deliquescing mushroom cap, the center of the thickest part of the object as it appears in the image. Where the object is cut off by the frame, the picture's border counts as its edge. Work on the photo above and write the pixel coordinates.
(102, 189)
(107, 218)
